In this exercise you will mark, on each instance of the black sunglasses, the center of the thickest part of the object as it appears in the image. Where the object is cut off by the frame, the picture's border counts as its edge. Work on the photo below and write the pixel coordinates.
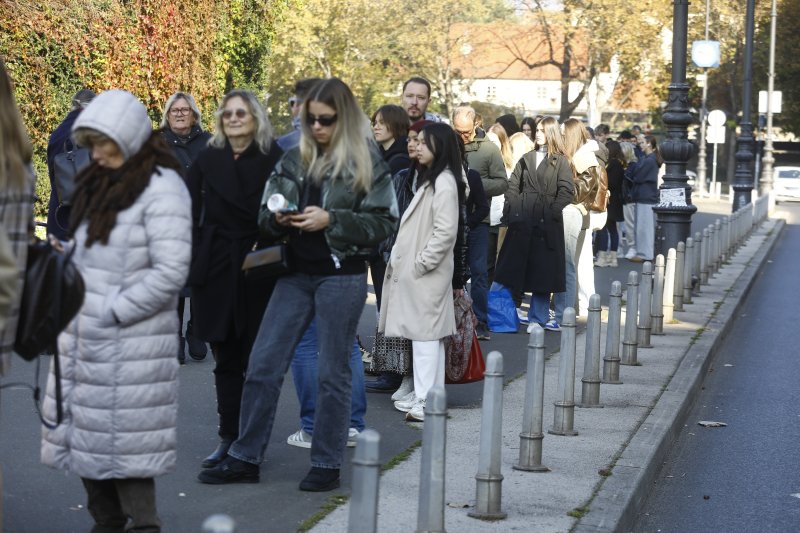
(240, 113)
(324, 120)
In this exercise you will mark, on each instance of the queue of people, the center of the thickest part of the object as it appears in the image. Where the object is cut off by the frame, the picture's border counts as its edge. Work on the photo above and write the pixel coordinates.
(428, 209)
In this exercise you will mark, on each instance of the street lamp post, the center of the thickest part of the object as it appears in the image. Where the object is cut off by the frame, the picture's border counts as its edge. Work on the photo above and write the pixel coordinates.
(701, 156)
(743, 178)
(674, 211)
(765, 184)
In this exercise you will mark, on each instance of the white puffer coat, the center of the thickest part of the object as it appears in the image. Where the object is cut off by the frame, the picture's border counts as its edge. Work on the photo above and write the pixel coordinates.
(119, 381)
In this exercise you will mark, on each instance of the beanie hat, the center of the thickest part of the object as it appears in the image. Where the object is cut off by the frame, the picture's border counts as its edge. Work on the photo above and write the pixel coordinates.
(509, 123)
(121, 117)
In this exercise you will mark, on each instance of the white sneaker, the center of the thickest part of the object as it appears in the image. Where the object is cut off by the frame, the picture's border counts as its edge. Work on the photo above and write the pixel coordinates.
(405, 405)
(631, 253)
(522, 316)
(301, 439)
(352, 435)
(417, 412)
(406, 387)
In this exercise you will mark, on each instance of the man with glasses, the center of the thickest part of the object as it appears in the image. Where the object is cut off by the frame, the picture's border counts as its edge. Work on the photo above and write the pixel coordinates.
(301, 88)
(484, 157)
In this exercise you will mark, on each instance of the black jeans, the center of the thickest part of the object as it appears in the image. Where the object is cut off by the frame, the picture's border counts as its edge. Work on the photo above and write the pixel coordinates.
(112, 501)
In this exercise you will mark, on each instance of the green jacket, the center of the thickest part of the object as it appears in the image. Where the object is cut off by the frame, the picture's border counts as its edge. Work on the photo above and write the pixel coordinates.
(485, 157)
(358, 221)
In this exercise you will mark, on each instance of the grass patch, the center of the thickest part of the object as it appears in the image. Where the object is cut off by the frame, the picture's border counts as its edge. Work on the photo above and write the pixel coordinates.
(698, 332)
(579, 512)
(327, 508)
(401, 457)
(674, 321)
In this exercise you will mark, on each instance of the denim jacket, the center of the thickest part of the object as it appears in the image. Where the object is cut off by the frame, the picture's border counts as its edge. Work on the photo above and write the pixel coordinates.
(358, 220)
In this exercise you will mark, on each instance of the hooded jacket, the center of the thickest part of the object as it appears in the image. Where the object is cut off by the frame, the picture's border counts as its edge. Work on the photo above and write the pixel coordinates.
(118, 366)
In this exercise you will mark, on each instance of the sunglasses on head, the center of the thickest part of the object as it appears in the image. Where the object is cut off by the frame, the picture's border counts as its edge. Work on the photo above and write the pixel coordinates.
(324, 120)
(240, 113)
(294, 101)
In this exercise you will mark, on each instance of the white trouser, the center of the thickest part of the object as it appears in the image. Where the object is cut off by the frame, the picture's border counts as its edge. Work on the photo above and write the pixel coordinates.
(428, 366)
(629, 211)
(645, 231)
(585, 266)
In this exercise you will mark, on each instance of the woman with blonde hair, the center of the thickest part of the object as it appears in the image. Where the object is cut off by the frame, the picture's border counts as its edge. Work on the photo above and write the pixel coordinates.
(226, 181)
(583, 153)
(532, 256)
(345, 206)
(16, 200)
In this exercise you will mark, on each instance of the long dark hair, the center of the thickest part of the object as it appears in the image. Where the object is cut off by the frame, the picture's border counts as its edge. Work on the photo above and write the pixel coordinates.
(651, 140)
(101, 193)
(444, 144)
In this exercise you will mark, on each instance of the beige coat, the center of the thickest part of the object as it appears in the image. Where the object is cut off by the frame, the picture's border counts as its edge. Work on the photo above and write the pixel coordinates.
(417, 301)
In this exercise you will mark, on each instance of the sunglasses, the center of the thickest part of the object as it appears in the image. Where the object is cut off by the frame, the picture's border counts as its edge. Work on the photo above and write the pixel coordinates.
(294, 101)
(324, 120)
(240, 113)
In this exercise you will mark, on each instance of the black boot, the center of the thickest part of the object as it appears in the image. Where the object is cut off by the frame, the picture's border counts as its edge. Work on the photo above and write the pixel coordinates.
(320, 480)
(197, 347)
(219, 454)
(182, 350)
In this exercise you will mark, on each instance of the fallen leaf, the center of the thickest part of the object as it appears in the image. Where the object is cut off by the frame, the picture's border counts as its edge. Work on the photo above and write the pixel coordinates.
(181, 494)
(458, 505)
(712, 424)
(795, 495)
(726, 364)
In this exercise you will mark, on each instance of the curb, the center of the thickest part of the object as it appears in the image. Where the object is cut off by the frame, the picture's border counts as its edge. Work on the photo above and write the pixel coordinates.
(618, 501)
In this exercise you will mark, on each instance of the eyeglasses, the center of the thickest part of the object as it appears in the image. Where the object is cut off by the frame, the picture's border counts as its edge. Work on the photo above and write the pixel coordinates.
(180, 110)
(294, 101)
(465, 133)
(324, 120)
(228, 113)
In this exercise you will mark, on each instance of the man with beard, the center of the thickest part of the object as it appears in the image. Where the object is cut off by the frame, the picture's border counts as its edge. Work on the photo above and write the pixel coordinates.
(415, 99)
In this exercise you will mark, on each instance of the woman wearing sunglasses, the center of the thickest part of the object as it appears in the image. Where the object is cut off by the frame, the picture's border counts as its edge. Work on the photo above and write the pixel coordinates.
(346, 206)
(226, 181)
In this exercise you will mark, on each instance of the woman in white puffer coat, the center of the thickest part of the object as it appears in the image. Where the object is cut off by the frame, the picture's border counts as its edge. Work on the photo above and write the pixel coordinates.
(131, 220)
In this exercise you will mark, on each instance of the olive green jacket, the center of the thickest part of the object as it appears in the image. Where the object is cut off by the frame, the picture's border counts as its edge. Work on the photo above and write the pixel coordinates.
(358, 220)
(484, 156)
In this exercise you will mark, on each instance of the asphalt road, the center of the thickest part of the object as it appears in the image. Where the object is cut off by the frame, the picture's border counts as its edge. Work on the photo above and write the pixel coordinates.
(40, 500)
(743, 477)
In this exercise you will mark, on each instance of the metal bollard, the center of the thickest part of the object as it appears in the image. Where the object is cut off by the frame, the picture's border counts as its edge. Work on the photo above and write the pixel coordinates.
(657, 309)
(718, 243)
(564, 412)
(629, 341)
(704, 258)
(590, 382)
(366, 483)
(712, 245)
(430, 514)
(677, 293)
(696, 268)
(530, 440)
(725, 236)
(688, 265)
(219, 523)
(611, 359)
(645, 326)
(489, 480)
(668, 297)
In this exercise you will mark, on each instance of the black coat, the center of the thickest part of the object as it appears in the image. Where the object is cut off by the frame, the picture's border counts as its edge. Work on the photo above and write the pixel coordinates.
(533, 257)
(186, 149)
(616, 176)
(226, 197)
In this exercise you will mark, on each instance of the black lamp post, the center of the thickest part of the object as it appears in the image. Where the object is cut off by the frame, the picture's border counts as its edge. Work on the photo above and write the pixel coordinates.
(743, 178)
(675, 210)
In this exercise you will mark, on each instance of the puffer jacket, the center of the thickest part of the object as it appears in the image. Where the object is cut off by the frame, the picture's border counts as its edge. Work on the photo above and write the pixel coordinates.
(118, 367)
(358, 222)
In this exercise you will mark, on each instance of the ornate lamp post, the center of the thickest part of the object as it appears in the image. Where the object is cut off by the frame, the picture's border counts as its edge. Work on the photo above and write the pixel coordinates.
(743, 178)
(675, 210)
(765, 185)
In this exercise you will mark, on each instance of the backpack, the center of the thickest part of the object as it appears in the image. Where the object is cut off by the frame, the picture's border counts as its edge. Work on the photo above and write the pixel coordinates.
(52, 295)
(591, 189)
(66, 166)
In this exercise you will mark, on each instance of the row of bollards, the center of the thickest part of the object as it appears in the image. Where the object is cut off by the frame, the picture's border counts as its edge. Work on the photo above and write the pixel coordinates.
(649, 304)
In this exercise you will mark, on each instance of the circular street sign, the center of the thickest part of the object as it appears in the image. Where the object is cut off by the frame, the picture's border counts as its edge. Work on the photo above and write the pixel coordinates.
(717, 117)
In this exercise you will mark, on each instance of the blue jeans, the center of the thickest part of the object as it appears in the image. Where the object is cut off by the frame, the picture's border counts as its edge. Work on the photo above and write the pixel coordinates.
(336, 302)
(540, 308)
(306, 376)
(478, 246)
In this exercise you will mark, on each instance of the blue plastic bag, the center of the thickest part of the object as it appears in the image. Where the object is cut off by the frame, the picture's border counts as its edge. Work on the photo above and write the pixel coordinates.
(502, 311)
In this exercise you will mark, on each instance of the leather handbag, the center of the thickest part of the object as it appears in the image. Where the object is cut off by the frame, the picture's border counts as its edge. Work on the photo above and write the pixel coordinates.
(463, 356)
(267, 262)
(476, 366)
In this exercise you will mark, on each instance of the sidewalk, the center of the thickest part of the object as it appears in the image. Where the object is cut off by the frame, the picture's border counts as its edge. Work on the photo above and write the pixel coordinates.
(628, 437)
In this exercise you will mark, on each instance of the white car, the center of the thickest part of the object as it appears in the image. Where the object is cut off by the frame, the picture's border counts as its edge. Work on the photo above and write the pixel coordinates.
(786, 184)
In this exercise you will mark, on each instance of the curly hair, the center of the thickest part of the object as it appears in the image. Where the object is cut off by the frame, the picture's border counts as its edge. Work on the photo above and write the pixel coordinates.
(101, 193)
